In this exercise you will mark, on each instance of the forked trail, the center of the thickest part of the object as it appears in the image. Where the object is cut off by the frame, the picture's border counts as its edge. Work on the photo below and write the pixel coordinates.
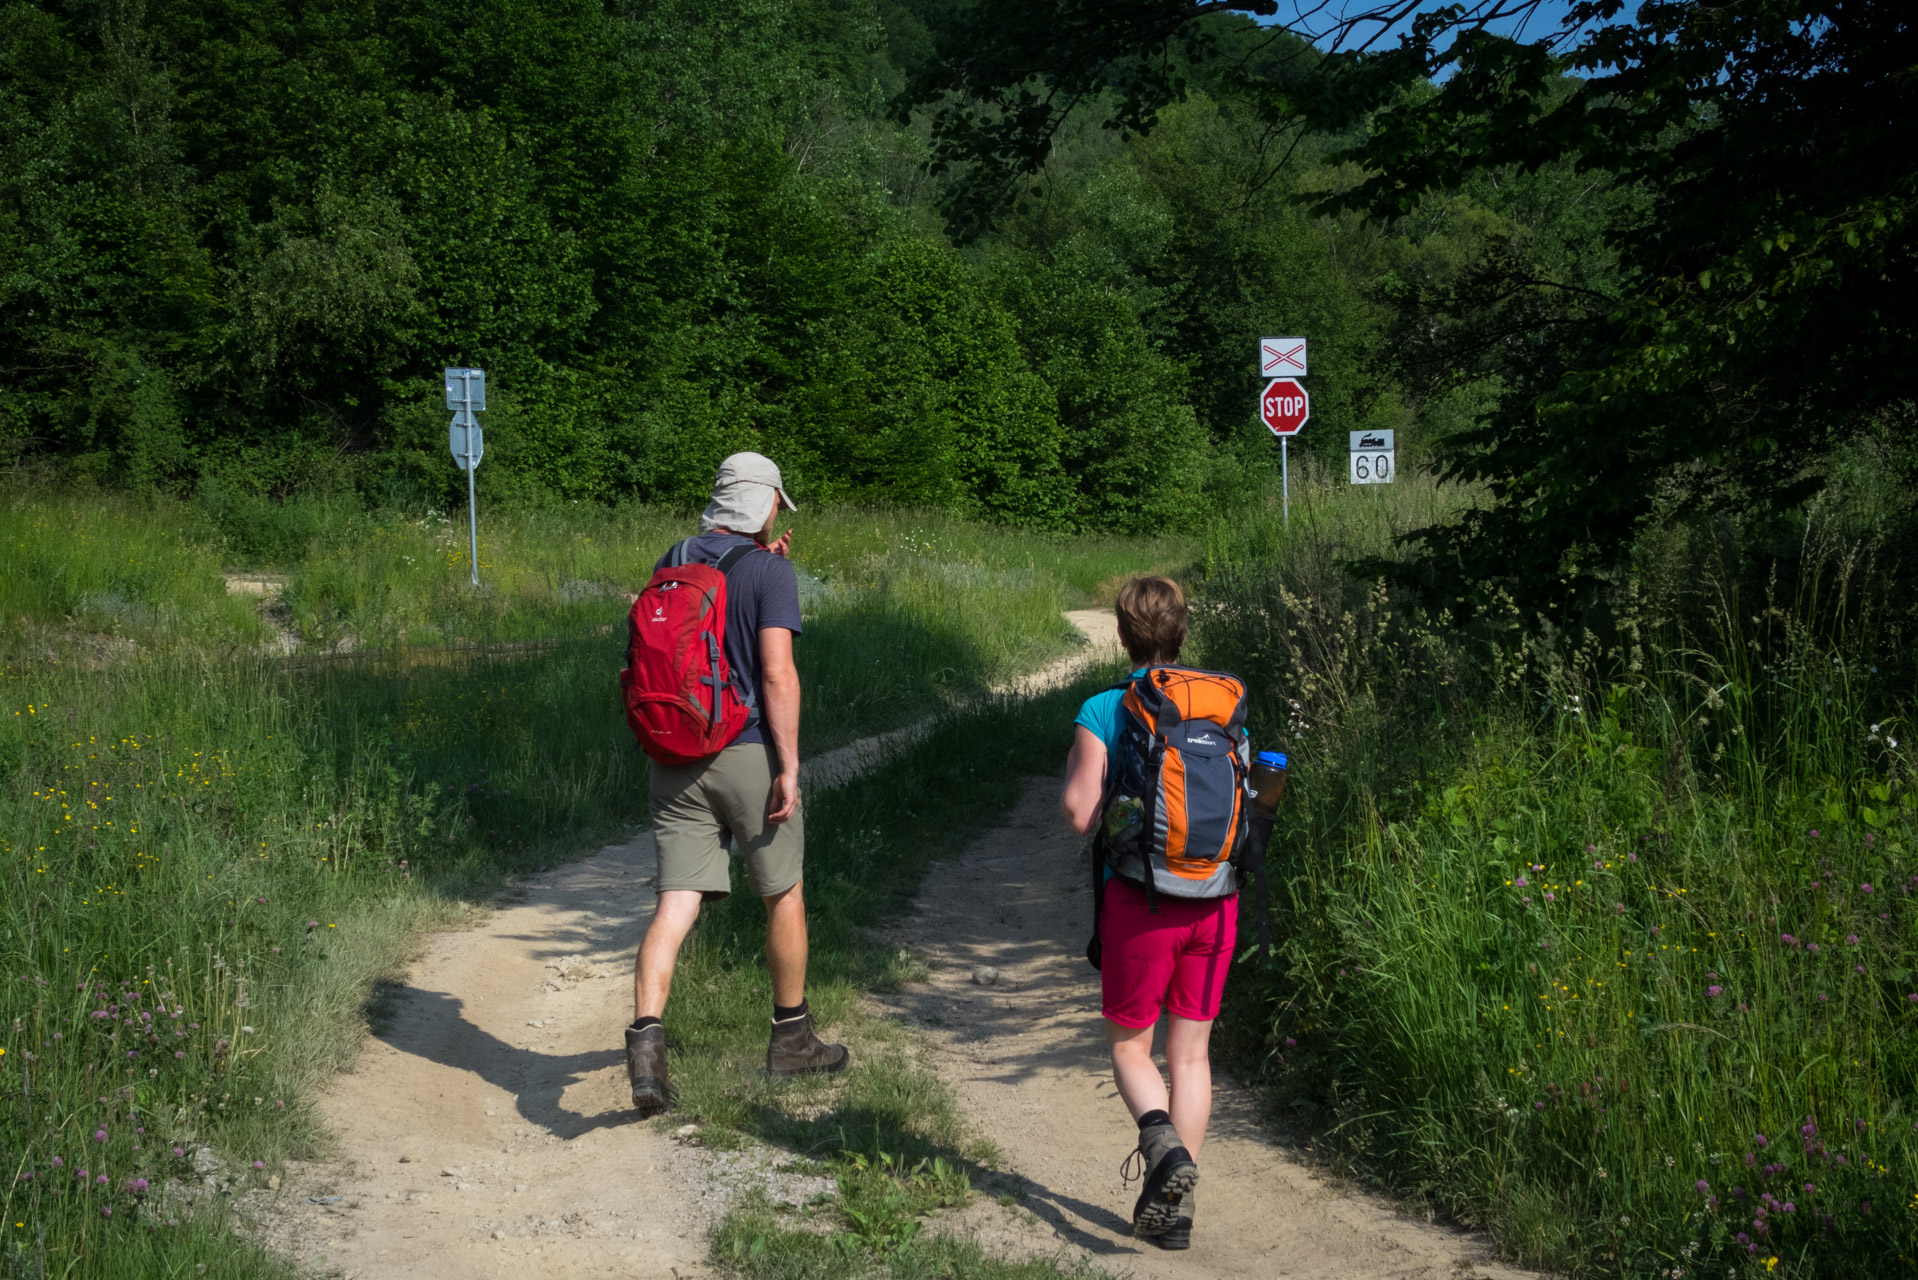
(485, 1130)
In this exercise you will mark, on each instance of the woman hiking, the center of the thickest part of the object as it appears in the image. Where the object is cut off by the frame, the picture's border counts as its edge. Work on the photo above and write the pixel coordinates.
(1167, 906)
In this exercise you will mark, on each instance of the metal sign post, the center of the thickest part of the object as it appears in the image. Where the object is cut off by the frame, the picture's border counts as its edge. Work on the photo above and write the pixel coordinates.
(466, 396)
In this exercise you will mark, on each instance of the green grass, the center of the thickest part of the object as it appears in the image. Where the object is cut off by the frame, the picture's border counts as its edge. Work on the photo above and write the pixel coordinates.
(759, 1244)
(887, 1128)
(190, 822)
(1568, 920)
(222, 854)
(905, 611)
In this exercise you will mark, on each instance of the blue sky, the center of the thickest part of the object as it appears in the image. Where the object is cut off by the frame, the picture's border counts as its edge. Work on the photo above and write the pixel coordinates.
(1308, 16)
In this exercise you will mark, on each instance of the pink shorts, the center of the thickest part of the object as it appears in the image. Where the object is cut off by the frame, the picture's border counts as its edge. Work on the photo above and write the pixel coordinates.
(1177, 958)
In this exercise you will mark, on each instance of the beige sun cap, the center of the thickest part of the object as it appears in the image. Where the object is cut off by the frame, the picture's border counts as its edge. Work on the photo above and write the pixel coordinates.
(746, 491)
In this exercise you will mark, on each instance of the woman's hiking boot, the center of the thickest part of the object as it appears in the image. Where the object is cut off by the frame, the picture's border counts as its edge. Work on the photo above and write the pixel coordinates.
(1180, 1237)
(795, 1050)
(1170, 1176)
(646, 1068)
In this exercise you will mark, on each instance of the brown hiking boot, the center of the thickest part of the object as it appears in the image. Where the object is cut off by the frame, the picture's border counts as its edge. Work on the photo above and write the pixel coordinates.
(646, 1068)
(796, 1051)
(1170, 1176)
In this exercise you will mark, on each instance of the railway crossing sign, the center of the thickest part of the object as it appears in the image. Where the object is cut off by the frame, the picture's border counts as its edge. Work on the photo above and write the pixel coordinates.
(1373, 459)
(1281, 357)
(1284, 407)
(466, 396)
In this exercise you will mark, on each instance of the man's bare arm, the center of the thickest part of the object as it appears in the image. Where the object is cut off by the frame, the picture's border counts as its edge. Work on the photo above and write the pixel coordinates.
(782, 718)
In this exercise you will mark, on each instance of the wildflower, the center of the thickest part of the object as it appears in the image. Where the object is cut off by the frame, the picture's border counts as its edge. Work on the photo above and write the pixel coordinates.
(1851, 940)
(1714, 991)
(136, 1184)
(58, 1163)
(1619, 907)
(179, 1152)
(259, 1164)
(1763, 1141)
(1809, 1188)
(100, 1180)
(1290, 1043)
(1788, 940)
(1704, 1187)
(1520, 882)
(1822, 997)
(1814, 833)
(1812, 947)
(1551, 897)
(1631, 857)
(312, 925)
(1865, 887)
(99, 1135)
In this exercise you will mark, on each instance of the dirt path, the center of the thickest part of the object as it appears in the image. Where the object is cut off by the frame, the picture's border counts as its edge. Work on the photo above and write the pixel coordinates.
(486, 1127)
(1027, 1058)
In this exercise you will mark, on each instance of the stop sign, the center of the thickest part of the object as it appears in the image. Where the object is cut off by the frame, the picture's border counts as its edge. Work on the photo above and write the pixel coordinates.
(1284, 406)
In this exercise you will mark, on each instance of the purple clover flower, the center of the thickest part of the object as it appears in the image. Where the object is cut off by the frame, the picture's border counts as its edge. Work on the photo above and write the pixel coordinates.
(1714, 991)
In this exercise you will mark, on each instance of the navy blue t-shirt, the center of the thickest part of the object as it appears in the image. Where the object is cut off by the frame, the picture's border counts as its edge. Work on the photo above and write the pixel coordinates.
(761, 591)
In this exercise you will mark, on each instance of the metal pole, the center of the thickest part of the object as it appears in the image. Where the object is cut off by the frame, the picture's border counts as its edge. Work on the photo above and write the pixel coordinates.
(472, 496)
(1285, 479)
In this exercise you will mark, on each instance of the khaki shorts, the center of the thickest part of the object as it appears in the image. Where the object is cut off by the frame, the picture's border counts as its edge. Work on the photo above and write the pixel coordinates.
(695, 806)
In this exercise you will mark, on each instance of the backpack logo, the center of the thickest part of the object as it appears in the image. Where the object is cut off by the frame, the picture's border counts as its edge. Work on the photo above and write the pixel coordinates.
(1175, 720)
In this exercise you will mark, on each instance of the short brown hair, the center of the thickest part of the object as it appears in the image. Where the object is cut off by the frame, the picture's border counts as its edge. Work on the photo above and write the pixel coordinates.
(1152, 619)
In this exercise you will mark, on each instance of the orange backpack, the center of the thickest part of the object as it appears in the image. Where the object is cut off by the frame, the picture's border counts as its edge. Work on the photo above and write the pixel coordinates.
(1173, 816)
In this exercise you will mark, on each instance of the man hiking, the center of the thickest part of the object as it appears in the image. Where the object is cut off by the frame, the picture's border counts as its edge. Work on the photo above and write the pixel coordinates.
(720, 719)
(1158, 765)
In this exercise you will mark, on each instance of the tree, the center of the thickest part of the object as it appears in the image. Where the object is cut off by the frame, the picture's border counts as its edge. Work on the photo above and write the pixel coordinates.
(1766, 297)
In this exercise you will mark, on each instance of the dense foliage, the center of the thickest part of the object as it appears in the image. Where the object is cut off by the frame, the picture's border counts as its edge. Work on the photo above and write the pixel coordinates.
(1607, 945)
(1717, 311)
(238, 240)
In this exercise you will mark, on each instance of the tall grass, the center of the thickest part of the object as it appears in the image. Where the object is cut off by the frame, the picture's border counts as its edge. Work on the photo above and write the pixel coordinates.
(1602, 935)
(206, 861)
(905, 611)
(210, 852)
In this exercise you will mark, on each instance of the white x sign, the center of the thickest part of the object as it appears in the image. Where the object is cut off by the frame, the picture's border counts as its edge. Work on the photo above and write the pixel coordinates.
(1281, 357)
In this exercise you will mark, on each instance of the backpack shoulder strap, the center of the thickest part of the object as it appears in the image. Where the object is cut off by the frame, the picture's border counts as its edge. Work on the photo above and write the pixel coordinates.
(733, 556)
(677, 555)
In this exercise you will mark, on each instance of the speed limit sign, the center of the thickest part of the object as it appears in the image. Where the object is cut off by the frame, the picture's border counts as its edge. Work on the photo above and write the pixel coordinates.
(1373, 459)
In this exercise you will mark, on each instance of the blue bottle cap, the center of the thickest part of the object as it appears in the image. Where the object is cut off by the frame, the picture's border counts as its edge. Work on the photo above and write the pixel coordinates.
(1274, 758)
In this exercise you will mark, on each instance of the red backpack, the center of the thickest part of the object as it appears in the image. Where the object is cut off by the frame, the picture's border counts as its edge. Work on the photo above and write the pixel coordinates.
(682, 699)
